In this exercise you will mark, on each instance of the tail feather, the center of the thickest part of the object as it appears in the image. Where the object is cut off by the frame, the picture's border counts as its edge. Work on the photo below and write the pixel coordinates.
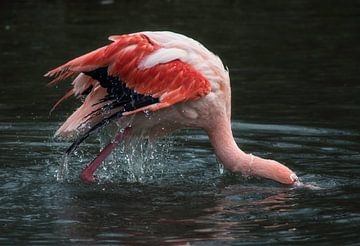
(59, 74)
(74, 125)
(84, 63)
(95, 128)
(63, 98)
(82, 83)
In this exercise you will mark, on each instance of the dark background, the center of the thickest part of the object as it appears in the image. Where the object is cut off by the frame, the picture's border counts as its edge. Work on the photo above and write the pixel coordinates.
(293, 62)
(294, 68)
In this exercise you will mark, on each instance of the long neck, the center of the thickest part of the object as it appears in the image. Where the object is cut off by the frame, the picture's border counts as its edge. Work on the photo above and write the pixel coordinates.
(236, 160)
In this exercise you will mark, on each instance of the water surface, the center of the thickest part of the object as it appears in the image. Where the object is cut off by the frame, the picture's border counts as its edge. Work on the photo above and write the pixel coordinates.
(294, 67)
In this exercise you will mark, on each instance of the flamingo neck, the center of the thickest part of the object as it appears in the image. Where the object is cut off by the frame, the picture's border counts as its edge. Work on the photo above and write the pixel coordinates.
(226, 149)
(236, 160)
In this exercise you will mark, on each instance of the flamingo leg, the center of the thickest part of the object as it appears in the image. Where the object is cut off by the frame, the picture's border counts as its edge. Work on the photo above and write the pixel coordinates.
(87, 175)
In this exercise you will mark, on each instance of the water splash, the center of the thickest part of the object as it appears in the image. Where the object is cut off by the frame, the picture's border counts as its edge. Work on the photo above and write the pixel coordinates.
(311, 186)
(220, 166)
(63, 170)
(138, 160)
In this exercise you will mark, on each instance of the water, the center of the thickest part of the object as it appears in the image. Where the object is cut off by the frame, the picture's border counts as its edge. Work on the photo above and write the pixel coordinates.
(294, 67)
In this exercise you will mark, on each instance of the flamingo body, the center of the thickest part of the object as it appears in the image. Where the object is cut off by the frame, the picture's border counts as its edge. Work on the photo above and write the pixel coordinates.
(154, 83)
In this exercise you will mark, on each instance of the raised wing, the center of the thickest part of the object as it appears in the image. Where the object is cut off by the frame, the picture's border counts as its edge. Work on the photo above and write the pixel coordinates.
(132, 74)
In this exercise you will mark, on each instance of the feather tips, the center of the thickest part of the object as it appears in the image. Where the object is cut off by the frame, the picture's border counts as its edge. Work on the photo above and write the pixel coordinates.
(142, 65)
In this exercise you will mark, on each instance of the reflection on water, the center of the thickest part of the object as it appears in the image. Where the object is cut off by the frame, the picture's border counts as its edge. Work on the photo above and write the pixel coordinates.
(294, 71)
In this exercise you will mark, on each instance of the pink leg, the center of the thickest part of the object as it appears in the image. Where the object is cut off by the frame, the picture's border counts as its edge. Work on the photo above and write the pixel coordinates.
(87, 175)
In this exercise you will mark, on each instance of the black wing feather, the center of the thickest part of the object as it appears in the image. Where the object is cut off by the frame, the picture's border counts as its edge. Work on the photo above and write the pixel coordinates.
(119, 96)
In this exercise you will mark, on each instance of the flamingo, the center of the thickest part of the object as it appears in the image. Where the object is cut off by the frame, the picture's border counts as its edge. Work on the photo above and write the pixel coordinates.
(154, 83)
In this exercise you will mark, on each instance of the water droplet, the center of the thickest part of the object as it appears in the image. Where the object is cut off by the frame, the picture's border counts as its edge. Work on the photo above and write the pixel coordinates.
(63, 169)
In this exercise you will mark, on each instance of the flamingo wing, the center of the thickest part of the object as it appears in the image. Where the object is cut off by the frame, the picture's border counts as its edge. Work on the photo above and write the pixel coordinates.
(132, 74)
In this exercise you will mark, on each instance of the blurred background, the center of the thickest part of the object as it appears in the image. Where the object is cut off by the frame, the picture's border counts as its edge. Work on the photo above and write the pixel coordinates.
(294, 68)
(290, 61)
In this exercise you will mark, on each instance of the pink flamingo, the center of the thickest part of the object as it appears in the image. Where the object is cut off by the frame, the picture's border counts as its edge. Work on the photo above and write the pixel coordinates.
(155, 83)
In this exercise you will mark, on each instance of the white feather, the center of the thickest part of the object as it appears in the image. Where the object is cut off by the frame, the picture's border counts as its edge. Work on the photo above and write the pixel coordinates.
(162, 55)
(177, 46)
